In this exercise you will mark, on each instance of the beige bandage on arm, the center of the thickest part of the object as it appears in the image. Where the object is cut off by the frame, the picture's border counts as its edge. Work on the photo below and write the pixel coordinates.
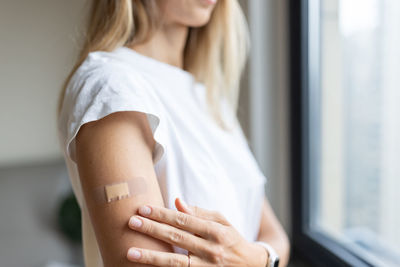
(121, 190)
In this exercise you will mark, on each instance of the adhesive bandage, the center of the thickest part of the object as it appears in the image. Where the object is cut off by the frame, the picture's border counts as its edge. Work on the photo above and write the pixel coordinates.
(121, 190)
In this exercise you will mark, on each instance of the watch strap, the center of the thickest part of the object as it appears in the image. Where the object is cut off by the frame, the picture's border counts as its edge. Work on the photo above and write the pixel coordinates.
(273, 258)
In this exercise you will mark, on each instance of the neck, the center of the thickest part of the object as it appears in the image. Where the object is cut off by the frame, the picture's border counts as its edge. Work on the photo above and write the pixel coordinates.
(166, 45)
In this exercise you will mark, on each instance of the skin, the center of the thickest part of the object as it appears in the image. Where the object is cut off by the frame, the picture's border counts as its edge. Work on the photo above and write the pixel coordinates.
(119, 147)
(209, 237)
(167, 44)
(272, 232)
(114, 149)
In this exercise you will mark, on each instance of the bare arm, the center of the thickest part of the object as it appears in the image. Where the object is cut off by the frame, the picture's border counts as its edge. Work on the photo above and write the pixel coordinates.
(272, 232)
(114, 149)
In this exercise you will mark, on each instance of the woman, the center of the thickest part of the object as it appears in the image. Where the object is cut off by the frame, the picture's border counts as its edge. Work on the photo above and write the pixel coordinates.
(148, 116)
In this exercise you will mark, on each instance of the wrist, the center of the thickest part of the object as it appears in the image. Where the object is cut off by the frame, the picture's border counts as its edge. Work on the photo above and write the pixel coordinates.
(261, 256)
(273, 258)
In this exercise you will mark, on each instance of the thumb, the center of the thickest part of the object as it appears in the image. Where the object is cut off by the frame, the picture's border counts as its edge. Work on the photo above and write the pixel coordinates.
(199, 212)
(183, 207)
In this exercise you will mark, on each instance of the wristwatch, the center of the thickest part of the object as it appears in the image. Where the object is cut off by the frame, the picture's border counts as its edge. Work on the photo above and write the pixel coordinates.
(273, 258)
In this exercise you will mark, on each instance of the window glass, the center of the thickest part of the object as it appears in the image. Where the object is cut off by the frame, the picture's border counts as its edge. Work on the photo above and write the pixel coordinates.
(357, 189)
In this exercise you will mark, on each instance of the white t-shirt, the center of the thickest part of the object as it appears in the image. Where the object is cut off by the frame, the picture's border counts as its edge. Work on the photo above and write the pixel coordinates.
(194, 158)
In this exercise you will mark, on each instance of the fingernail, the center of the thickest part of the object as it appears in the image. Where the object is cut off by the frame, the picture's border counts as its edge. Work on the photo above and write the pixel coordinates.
(135, 222)
(145, 210)
(134, 254)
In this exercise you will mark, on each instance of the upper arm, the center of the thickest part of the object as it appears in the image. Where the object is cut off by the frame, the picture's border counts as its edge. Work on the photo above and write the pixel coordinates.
(117, 148)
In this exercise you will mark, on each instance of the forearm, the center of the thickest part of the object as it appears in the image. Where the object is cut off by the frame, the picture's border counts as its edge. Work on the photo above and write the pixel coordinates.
(272, 232)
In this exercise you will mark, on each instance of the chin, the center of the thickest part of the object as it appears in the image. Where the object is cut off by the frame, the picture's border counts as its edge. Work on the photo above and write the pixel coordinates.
(191, 13)
(199, 20)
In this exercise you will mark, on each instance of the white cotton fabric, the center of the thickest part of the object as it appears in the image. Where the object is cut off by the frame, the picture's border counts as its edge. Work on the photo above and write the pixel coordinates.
(194, 158)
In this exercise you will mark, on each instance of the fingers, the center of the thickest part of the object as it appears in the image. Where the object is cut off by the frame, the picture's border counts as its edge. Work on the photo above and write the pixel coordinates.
(165, 259)
(171, 235)
(201, 213)
(157, 258)
(204, 228)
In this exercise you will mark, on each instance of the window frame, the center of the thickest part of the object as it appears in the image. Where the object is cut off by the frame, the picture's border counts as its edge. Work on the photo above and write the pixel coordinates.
(311, 246)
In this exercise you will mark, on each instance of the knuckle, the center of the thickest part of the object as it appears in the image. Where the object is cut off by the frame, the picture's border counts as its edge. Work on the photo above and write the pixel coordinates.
(145, 258)
(181, 219)
(176, 237)
(218, 255)
(161, 215)
(209, 252)
(220, 235)
(147, 227)
(155, 212)
(211, 229)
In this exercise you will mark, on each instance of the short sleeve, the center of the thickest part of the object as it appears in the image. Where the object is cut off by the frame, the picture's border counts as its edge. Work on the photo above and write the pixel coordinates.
(95, 92)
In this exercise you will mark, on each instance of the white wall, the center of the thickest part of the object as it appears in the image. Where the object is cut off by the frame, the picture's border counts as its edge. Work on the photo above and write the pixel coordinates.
(269, 100)
(35, 57)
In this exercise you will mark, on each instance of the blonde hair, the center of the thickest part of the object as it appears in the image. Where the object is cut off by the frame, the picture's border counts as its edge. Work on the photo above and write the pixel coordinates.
(215, 53)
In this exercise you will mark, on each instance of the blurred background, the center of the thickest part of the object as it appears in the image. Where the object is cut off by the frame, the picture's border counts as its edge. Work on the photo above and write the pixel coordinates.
(39, 45)
(353, 191)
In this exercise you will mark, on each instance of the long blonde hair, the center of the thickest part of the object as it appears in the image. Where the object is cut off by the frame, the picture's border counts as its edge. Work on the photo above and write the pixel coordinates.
(215, 54)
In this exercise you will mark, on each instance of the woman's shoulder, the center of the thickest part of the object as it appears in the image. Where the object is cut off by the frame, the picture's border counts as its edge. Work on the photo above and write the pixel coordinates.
(105, 71)
(104, 80)
(102, 66)
(104, 84)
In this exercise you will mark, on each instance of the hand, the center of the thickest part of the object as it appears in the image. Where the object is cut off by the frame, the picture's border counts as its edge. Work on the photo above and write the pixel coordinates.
(209, 238)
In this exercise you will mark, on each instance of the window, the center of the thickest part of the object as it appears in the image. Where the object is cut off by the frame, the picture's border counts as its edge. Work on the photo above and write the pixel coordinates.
(346, 131)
